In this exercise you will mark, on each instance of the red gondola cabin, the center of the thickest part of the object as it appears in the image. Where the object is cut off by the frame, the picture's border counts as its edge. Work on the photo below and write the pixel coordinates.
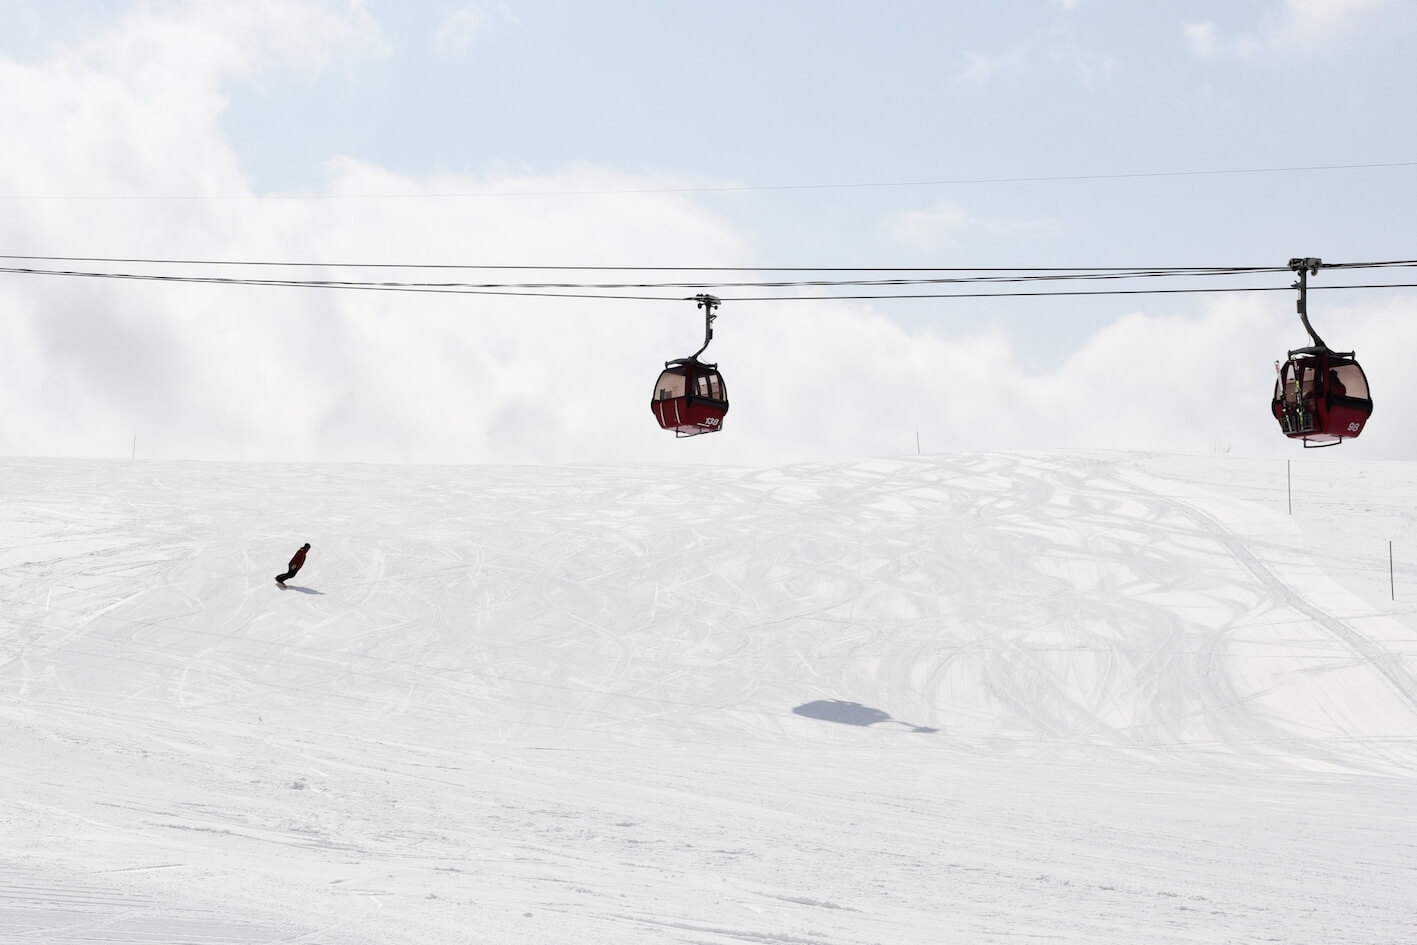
(1321, 397)
(690, 397)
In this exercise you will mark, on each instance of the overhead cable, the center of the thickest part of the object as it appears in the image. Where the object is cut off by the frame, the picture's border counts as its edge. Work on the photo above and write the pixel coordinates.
(626, 290)
(1163, 271)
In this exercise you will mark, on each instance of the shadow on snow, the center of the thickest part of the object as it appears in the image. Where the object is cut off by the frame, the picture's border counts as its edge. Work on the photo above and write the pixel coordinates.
(852, 713)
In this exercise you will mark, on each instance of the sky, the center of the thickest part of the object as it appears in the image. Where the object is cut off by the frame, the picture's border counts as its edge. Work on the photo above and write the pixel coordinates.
(615, 136)
(991, 697)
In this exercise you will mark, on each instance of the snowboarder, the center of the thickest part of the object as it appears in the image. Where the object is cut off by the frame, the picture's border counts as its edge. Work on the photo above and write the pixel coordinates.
(295, 564)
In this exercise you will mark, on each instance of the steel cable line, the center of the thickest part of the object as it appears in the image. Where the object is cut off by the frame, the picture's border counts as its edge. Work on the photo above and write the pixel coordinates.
(799, 283)
(531, 293)
(610, 290)
(1205, 290)
(1041, 271)
(1162, 270)
(776, 284)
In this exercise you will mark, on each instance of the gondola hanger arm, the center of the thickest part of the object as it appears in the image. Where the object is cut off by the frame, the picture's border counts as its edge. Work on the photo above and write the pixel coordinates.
(1305, 267)
(708, 303)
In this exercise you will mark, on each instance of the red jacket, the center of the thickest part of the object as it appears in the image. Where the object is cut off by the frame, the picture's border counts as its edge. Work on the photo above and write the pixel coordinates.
(299, 560)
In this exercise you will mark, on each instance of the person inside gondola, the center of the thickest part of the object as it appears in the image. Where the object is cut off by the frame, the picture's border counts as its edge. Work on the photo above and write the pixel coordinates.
(1335, 385)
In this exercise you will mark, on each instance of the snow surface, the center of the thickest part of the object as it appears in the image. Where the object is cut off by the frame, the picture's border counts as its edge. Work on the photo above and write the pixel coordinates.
(993, 697)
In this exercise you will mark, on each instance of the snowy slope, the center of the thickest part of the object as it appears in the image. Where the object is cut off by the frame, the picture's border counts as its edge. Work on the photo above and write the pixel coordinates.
(965, 698)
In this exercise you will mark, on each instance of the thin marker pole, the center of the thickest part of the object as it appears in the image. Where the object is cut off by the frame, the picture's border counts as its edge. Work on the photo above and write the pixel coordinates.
(917, 442)
(135, 447)
(1392, 582)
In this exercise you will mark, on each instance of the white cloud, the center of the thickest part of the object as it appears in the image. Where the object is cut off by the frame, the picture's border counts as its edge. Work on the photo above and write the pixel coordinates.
(208, 43)
(926, 229)
(1089, 68)
(1203, 39)
(1084, 66)
(296, 374)
(462, 28)
(1149, 381)
(124, 156)
(942, 225)
(1293, 27)
(981, 71)
(459, 29)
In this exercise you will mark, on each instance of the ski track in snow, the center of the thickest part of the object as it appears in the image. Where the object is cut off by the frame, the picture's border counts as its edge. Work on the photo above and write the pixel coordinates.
(1080, 697)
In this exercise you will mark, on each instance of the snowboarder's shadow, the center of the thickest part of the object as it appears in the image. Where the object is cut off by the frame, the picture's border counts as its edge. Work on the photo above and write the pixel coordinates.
(303, 590)
(852, 713)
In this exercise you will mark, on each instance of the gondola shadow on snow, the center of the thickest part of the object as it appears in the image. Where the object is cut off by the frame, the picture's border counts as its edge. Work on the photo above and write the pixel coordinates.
(303, 590)
(853, 713)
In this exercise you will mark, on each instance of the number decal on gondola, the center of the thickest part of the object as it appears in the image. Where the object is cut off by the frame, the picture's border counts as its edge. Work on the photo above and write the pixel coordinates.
(710, 421)
(1354, 427)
